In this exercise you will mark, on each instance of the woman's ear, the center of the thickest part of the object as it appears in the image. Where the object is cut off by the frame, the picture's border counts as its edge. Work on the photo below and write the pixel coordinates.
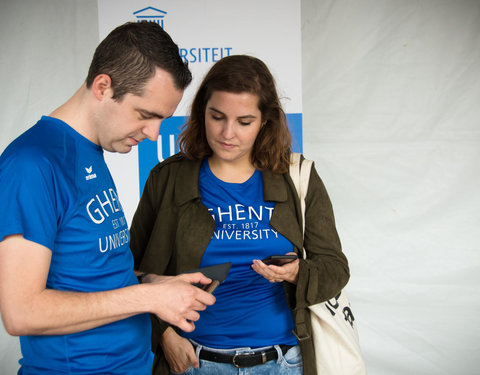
(102, 87)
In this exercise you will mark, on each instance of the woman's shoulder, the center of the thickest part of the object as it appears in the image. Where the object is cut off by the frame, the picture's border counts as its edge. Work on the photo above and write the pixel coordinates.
(174, 175)
(175, 165)
(174, 161)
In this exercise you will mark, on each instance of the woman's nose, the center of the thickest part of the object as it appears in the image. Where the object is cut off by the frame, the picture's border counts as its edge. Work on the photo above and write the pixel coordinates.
(228, 130)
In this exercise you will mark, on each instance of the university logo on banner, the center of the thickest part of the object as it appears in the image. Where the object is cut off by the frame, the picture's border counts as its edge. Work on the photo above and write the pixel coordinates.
(206, 31)
(150, 14)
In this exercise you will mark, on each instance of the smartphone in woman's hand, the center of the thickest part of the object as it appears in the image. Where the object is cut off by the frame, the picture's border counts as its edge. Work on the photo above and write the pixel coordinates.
(279, 260)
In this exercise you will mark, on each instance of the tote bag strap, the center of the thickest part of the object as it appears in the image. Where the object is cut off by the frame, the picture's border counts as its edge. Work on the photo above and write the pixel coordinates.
(300, 174)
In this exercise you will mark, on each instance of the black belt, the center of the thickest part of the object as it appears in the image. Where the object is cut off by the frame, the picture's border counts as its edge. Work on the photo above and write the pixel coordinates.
(244, 360)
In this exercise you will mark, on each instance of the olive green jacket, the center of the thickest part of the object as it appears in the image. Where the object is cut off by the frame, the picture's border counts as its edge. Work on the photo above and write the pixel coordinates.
(172, 228)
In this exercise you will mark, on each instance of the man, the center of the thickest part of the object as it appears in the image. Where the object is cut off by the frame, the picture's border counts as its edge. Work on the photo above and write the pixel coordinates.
(67, 285)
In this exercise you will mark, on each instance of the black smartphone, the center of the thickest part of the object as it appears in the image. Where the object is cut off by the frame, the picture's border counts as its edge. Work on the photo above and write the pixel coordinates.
(218, 273)
(279, 260)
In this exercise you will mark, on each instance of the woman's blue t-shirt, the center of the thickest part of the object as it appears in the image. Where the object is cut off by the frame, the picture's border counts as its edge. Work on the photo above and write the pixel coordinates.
(249, 311)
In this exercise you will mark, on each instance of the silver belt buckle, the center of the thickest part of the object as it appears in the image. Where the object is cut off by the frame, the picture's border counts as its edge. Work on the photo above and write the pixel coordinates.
(233, 361)
(236, 365)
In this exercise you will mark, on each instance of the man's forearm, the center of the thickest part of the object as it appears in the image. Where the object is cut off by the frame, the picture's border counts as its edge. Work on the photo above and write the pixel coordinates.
(28, 308)
(54, 312)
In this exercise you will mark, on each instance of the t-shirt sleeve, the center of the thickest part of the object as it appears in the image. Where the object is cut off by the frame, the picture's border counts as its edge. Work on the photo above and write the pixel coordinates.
(27, 198)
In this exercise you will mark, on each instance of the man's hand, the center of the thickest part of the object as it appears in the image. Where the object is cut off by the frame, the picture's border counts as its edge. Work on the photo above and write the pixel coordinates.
(175, 300)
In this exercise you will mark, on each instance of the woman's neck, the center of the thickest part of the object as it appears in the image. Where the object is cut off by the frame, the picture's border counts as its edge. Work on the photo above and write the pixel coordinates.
(232, 172)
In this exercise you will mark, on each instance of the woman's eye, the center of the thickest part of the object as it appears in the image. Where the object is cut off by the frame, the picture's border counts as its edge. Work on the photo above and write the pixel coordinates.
(245, 123)
(217, 118)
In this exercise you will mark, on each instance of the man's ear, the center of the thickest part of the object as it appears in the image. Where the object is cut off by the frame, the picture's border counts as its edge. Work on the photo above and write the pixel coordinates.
(102, 87)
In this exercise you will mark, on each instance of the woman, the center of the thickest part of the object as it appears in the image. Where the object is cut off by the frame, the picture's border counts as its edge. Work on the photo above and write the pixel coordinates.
(228, 197)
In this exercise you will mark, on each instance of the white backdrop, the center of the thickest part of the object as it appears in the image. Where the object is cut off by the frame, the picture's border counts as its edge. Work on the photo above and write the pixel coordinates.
(391, 93)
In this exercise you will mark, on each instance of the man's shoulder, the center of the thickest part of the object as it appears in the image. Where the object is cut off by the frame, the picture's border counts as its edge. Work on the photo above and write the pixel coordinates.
(25, 151)
(33, 142)
(44, 152)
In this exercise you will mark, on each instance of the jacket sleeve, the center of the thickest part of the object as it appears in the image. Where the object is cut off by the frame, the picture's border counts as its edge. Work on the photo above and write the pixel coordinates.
(153, 233)
(142, 224)
(324, 272)
(154, 223)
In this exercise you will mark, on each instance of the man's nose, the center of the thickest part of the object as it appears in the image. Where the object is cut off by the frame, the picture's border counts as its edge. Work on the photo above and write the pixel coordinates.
(152, 129)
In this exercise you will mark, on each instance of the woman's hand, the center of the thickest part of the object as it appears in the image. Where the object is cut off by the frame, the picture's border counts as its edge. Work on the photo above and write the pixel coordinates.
(178, 351)
(276, 274)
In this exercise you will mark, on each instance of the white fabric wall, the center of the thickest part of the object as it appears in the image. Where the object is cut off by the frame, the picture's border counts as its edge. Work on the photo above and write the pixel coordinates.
(391, 93)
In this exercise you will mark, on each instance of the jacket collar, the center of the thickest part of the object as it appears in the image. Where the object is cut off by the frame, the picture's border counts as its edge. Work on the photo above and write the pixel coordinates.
(186, 186)
(274, 187)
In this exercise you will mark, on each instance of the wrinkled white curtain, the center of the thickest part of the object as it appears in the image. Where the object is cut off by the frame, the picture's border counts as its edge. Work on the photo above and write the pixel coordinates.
(391, 93)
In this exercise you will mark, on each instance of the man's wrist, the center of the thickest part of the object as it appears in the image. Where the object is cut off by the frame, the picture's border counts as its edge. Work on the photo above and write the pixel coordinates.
(141, 277)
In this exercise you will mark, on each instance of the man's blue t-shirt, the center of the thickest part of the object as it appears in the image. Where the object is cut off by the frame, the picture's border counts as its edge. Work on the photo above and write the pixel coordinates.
(56, 190)
(249, 311)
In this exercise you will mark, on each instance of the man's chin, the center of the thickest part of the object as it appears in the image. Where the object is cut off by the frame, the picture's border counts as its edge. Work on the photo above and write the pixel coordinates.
(120, 149)
(125, 150)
